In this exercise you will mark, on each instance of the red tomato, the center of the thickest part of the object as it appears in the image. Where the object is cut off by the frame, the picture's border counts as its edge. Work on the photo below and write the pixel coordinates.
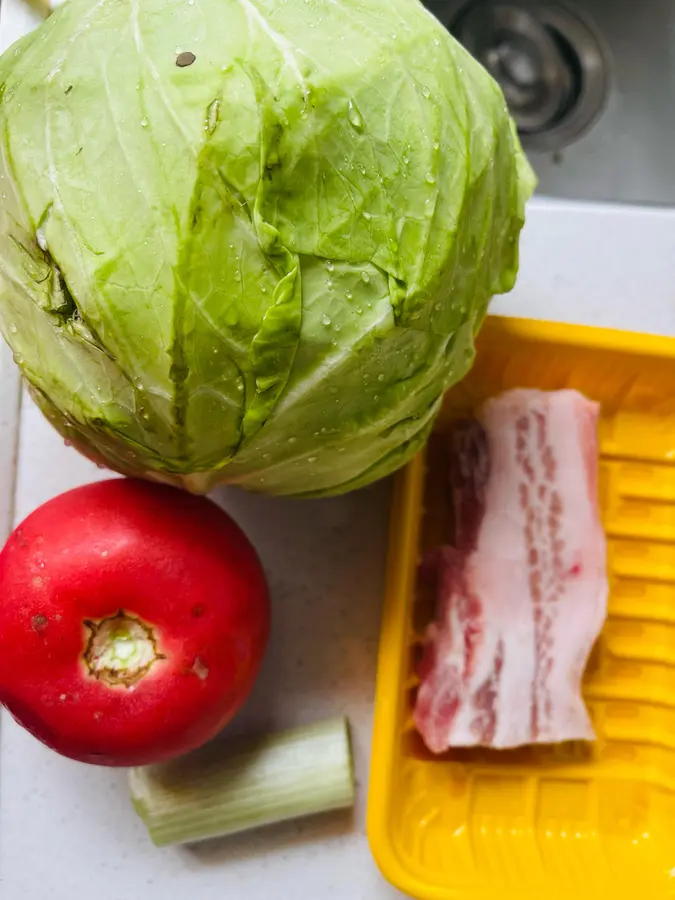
(133, 620)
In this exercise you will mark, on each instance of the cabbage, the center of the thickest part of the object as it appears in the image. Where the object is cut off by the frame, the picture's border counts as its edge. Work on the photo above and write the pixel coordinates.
(251, 241)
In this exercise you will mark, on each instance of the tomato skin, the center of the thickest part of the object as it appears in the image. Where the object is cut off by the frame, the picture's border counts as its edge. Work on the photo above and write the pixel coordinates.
(174, 561)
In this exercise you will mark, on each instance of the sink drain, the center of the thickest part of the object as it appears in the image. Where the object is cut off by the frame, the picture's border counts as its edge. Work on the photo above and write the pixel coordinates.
(550, 62)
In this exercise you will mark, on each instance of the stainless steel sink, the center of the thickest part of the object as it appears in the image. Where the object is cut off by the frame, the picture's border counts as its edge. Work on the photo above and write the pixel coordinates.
(591, 84)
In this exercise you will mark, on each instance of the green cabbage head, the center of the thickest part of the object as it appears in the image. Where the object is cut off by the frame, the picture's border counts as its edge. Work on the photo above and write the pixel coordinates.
(251, 241)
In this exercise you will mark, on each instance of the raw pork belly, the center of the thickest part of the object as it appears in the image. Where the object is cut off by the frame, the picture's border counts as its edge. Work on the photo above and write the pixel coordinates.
(522, 595)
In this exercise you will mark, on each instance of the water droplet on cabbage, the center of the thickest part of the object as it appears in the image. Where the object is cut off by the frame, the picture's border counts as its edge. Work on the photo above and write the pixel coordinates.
(292, 440)
(430, 178)
(380, 377)
(212, 114)
(325, 319)
(13, 329)
(330, 265)
(348, 295)
(354, 117)
(144, 122)
(365, 277)
(311, 459)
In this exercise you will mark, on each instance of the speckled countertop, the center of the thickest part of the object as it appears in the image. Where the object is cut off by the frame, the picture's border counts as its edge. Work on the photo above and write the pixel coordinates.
(68, 830)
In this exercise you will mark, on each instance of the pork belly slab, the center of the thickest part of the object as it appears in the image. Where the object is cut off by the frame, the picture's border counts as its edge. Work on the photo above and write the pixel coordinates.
(522, 593)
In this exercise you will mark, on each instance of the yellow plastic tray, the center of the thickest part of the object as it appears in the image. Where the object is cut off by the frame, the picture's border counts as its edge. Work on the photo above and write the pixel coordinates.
(574, 821)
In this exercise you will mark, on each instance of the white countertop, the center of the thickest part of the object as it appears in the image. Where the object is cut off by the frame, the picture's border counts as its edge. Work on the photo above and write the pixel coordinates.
(68, 830)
